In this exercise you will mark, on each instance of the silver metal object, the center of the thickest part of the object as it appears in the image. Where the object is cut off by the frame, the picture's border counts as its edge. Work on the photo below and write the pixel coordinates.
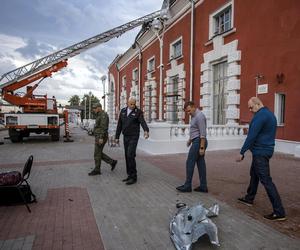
(190, 223)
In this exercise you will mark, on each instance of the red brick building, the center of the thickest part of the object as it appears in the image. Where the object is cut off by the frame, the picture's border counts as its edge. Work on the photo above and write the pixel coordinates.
(218, 53)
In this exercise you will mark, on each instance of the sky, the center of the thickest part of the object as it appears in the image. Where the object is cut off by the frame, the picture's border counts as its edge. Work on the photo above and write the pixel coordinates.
(33, 29)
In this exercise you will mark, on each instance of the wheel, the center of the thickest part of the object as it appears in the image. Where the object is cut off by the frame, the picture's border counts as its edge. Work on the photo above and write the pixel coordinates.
(14, 135)
(55, 133)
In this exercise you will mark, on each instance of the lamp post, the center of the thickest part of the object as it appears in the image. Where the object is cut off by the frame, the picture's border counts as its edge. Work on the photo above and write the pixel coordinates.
(103, 79)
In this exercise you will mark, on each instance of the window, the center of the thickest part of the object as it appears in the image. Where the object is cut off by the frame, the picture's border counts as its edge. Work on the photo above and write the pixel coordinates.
(280, 108)
(124, 81)
(221, 20)
(172, 100)
(176, 49)
(151, 64)
(219, 93)
(135, 75)
(112, 88)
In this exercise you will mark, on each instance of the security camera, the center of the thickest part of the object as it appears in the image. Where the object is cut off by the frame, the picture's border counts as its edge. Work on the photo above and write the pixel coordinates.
(156, 24)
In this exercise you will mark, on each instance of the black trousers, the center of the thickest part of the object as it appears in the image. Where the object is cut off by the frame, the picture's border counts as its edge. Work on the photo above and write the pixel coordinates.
(130, 144)
(260, 172)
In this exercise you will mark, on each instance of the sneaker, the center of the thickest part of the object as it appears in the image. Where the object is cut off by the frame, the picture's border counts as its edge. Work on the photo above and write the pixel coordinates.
(184, 189)
(275, 217)
(245, 202)
(94, 172)
(202, 190)
(113, 165)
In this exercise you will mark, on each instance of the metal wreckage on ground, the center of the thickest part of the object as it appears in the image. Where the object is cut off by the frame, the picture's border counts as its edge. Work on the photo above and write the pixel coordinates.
(190, 223)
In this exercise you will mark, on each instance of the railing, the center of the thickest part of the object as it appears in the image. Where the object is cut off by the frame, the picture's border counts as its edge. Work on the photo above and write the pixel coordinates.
(212, 131)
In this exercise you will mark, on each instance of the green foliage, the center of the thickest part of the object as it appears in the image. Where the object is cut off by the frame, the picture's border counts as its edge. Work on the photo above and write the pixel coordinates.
(74, 100)
(86, 104)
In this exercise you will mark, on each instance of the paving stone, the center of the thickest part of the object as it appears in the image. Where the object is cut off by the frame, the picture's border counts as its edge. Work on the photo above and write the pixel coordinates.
(80, 211)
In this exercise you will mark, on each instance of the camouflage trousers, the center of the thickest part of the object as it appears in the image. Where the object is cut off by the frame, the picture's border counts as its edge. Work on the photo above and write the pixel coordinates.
(99, 155)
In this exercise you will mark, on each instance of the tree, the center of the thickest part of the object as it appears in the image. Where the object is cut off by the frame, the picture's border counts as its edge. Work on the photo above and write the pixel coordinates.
(85, 102)
(74, 100)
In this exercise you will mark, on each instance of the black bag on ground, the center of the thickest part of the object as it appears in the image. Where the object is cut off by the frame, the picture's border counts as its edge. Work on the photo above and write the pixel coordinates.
(12, 196)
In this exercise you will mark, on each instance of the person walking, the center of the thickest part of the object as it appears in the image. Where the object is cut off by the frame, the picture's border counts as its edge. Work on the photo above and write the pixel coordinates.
(129, 122)
(261, 141)
(198, 143)
(101, 136)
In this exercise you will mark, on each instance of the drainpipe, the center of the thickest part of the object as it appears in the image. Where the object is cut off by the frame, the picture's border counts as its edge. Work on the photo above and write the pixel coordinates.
(192, 50)
(157, 26)
(161, 66)
(140, 72)
(118, 87)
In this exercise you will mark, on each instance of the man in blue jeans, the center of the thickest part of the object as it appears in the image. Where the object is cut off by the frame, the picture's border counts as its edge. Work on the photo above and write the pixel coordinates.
(261, 141)
(198, 143)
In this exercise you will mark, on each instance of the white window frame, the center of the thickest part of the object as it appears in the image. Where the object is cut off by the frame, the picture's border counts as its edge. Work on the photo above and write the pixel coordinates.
(151, 69)
(172, 48)
(280, 108)
(218, 12)
(124, 81)
(135, 75)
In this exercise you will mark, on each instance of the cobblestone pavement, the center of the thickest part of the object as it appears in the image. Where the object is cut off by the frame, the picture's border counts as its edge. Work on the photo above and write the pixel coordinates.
(76, 211)
(228, 180)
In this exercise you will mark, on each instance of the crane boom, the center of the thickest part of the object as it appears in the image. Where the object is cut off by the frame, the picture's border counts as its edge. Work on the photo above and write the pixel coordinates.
(47, 61)
(40, 112)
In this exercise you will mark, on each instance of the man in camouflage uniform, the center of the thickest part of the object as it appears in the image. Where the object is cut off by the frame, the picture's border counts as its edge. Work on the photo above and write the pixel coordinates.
(101, 136)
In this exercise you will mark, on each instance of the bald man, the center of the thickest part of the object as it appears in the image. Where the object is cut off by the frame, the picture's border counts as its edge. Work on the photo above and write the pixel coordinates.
(130, 120)
(261, 141)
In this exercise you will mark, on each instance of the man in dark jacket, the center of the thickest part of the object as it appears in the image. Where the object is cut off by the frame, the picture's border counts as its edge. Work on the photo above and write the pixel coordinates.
(101, 136)
(129, 122)
(261, 141)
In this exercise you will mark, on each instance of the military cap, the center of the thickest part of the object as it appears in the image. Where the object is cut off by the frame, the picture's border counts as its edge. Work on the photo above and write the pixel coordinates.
(97, 105)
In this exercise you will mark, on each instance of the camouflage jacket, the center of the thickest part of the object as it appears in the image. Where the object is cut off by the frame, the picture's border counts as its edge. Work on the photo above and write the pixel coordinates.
(101, 125)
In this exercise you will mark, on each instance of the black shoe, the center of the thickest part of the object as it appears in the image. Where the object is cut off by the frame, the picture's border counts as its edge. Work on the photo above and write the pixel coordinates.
(184, 189)
(202, 190)
(126, 179)
(113, 165)
(275, 217)
(131, 181)
(95, 172)
(245, 202)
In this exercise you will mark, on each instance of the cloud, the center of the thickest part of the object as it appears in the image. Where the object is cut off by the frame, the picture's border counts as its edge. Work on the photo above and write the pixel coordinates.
(34, 50)
(39, 27)
(80, 77)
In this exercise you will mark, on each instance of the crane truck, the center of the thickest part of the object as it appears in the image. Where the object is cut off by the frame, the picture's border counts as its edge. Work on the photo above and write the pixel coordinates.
(39, 113)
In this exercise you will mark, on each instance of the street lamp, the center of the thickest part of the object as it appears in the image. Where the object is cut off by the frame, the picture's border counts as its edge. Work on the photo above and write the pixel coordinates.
(103, 79)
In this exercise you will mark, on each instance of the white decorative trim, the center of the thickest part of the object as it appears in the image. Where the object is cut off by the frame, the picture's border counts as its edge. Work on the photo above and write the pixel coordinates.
(221, 52)
(175, 70)
(111, 98)
(215, 13)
